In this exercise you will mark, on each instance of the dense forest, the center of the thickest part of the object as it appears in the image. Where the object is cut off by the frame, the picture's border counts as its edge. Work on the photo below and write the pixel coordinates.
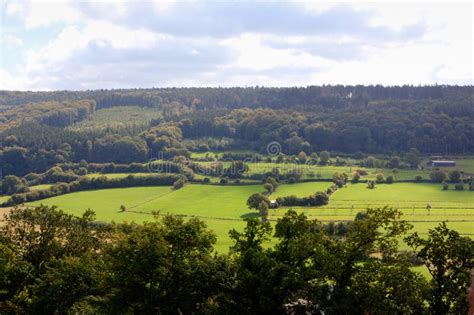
(35, 133)
(53, 262)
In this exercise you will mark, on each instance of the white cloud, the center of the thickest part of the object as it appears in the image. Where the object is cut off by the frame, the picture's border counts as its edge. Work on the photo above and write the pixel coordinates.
(11, 41)
(41, 13)
(165, 43)
(14, 8)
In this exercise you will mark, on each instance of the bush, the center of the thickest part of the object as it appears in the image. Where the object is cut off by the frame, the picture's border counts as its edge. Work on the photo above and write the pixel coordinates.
(255, 200)
(268, 187)
(437, 176)
(454, 176)
(418, 178)
(180, 182)
(355, 177)
(380, 178)
(459, 186)
(389, 179)
(318, 199)
(445, 186)
(206, 180)
(370, 184)
(340, 179)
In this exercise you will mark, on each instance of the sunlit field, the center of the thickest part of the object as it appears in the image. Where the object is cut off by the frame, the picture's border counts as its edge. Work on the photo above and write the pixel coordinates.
(224, 207)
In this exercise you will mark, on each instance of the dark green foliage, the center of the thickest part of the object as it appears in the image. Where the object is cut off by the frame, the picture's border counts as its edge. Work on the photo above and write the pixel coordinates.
(254, 201)
(163, 267)
(449, 257)
(12, 184)
(59, 114)
(379, 178)
(454, 176)
(389, 179)
(52, 262)
(316, 200)
(377, 119)
(437, 176)
(180, 182)
(340, 179)
(355, 177)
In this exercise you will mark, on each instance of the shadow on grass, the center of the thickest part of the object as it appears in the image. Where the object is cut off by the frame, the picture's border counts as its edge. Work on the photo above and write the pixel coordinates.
(249, 215)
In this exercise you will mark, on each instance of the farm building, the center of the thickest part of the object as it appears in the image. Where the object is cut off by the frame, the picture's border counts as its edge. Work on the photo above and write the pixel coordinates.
(443, 163)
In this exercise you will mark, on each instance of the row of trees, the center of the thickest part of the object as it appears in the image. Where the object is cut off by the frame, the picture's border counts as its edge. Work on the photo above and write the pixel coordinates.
(52, 262)
(87, 183)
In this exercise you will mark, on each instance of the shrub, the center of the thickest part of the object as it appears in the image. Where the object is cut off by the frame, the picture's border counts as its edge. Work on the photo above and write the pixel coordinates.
(437, 176)
(459, 186)
(180, 182)
(370, 184)
(355, 177)
(389, 179)
(255, 200)
(318, 199)
(454, 176)
(268, 187)
(380, 178)
(418, 178)
(362, 172)
(206, 180)
(340, 179)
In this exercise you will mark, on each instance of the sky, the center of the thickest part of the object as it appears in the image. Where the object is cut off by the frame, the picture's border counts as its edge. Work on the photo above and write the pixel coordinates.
(79, 45)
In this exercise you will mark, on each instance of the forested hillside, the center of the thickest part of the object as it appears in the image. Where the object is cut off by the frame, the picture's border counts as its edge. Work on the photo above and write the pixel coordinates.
(51, 113)
(40, 129)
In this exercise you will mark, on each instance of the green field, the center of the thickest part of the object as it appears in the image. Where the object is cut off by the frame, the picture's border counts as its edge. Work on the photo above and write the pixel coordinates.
(4, 198)
(118, 116)
(456, 207)
(222, 207)
(40, 187)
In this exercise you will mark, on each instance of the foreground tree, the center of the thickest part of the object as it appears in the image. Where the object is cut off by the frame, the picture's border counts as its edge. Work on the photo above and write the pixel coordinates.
(161, 267)
(35, 247)
(449, 257)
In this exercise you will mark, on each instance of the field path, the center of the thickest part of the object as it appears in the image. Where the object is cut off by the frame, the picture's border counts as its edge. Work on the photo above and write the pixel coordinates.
(150, 200)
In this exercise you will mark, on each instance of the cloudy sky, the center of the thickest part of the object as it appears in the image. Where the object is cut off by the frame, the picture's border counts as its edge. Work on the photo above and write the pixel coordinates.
(80, 45)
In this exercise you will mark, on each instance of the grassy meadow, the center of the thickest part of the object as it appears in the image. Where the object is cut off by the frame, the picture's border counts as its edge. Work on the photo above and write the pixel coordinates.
(456, 207)
(117, 117)
(224, 207)
(40, 187)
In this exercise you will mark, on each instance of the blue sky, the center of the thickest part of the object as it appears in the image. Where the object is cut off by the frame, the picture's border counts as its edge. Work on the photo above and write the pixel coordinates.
(79, 45)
